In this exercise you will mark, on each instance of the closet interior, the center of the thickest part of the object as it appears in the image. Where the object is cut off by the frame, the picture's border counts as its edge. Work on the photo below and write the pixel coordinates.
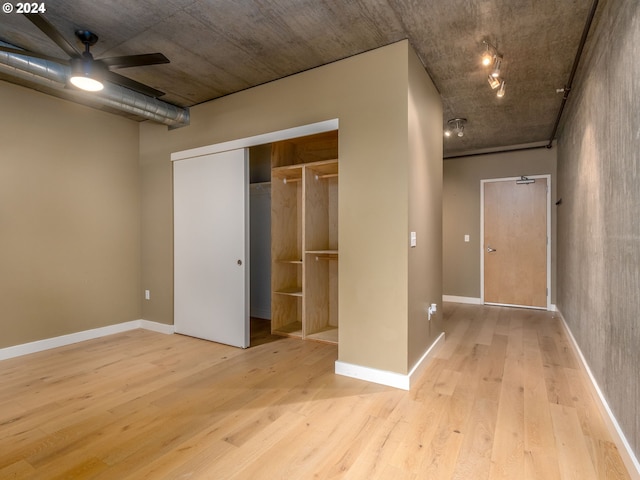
(304, 237)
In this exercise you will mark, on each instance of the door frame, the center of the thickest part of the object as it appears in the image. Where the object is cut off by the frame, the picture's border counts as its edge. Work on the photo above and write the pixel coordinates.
(255, 140)
(549, 242)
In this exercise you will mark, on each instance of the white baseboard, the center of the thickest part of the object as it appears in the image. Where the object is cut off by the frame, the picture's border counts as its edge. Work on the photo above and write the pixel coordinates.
(157, 327)
(421, 364)
(384, 377)
(478, 301)
(61, 341)
(455, 299)
(625, 450)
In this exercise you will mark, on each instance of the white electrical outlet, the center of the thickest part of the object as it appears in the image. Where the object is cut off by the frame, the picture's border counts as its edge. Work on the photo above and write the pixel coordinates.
(147, 295)
(431, 310)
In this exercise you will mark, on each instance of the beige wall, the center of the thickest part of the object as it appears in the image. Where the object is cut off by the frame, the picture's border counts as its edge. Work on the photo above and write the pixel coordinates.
(69, 217)
(461, 211)
(368, 94)
(425, 209)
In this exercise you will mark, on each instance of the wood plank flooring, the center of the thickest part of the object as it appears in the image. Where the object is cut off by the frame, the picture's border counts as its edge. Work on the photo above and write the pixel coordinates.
(503, 399)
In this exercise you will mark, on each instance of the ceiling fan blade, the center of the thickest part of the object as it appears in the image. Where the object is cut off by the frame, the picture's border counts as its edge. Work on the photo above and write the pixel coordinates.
(27, 53)
(134, 60)
(50, 31)
(132, 84)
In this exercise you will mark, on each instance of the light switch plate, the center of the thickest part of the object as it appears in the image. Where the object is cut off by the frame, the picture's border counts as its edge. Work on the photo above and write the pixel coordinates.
(413, 239)
(466, 238)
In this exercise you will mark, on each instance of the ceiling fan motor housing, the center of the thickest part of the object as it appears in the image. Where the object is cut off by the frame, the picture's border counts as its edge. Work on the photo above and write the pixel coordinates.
(87, 38)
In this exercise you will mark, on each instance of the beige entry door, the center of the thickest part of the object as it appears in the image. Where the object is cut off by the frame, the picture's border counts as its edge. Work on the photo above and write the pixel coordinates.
(515, 242)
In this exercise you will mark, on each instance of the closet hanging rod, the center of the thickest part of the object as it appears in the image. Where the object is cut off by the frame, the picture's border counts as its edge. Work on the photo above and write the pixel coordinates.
(324, 254)
(290, 180)
(328, 175)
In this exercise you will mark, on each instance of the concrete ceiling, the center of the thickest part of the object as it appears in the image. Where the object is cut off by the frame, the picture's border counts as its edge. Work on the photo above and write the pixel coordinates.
(218, 47)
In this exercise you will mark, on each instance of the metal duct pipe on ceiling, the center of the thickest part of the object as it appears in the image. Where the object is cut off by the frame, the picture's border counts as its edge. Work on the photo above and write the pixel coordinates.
(55, 75)
(567, 88)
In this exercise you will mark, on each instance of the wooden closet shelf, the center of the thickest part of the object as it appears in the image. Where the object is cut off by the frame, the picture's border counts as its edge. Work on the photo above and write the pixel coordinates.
(290, 260)
(293, 329)
(294, 291)
(325, 169)
(320, 163)
(288, 174)
(327, 335)
(260, 184)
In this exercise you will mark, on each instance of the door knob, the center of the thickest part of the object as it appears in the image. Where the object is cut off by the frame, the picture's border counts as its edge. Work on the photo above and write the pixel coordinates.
(489, 249)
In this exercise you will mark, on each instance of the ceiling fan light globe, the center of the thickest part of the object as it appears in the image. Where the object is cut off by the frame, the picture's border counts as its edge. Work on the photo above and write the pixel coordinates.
(86, 83)
(86, 75)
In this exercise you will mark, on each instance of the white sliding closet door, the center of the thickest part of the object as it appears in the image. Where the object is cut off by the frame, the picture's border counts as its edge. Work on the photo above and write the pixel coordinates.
(210, 247)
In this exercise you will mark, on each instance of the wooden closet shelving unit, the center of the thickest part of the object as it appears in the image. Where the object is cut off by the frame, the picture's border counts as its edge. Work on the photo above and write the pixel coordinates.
(304, 237)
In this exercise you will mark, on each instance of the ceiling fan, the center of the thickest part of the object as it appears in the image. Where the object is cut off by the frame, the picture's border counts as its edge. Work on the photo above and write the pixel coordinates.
(87, 72)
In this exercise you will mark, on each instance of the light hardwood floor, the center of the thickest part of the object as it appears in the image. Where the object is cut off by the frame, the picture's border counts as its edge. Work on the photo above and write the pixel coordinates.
(504, 398)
